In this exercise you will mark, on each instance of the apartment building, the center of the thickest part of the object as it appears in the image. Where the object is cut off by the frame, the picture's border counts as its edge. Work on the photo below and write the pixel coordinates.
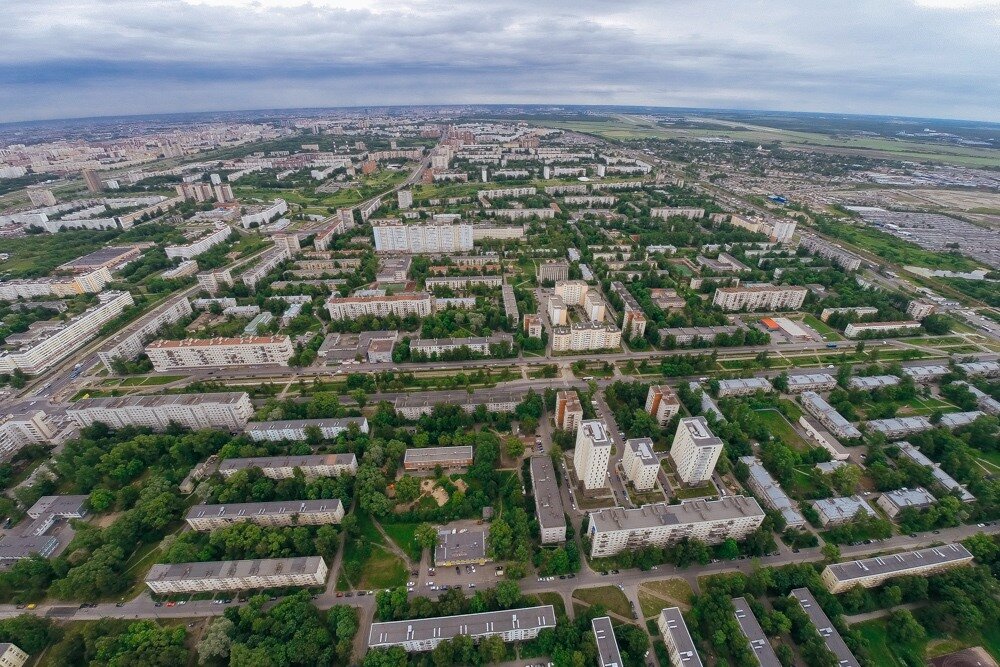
(237, 575)
(227, 352)
(569, 412)
(130, 343)
(918, 309)
(404, 199)
(548, 502)
(51, 348)
(88, 282)
(662, 403)
(507, 193)
(870, 382)
(583, 336)
(297, 429)
(899, 427)
(201, 245)
(592, 453)
(213, 281)
(983, 368)
(640, 463)
(926, 373)
(677, 211)
(205, 518)
(765, 487)
(573, 292)
(743, 386)
(760, 297)
(845, 259)
(269, 262)
(478, 345)
(831, 637)
(11, 655)
(946, 481)
(554, 270)
(687, 335)
(284, 467)
(872, 572)
(424, 634)
(826, 415)
(224, 410)
(661, 524)
(759, 644)
(510, 304)
(261, 215)
(463, 282)
(608, 654)
(838, 511)
(855, 329)
(677, 638)
(633, 316)
(557, 310)
(860, 311)
(428, 458)
(984, 401)
(695, 450)
(20, 429)
(393, 235)
(813, 382)
(413, 406)
(533, 326)
(400, 305)
(894, 502)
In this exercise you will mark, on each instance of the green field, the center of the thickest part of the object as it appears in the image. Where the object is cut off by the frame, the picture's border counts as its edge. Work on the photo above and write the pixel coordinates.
(822, 328)
(780, 427)
(609, 597)
(894, 249)
(402, 535)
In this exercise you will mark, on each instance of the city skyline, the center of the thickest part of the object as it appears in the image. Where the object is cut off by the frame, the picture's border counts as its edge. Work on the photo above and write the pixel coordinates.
(920, 58)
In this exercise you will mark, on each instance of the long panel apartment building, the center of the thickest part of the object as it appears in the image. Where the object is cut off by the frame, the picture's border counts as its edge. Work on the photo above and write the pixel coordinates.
(661, 524)
(548, 502)
(432, 237)
(278, 513)
(608, 654)
(129, 344)
(424, 634)
(834, 642)
(20, 429)
(872, 572)
(417, 404)
(826, 415)
(583, 336)
(237, 575)
(765, 487)
(197, 352)
(750, 627)
(88, 282)
(400, 305)
(942, 478)
(48, 350)
(760, 297)
(677, 638)
(224, 410)
(695, 450)
(284, 467)
(297, 429)
(844, 258)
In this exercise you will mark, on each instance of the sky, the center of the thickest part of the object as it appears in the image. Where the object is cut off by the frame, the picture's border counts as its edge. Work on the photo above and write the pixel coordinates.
(79, 58)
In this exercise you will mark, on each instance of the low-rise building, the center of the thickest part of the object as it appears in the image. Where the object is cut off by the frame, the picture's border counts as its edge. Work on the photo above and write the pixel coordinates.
(811, 382)
(759, 644)
(926, 373)
(899, 427)
(825, 413)
(855, 329)
(284, 467)
(413, 406)
(869, 382)
(297, 429)
(641, 464)
(743, 386)
(765, 487)
(431, 347)
(279, 513)
(464, 546)
(831, 637)
(660, 524)
(548, 502)
(237, 575)
(608, 654)
(553, 270)
(224, 410)
(894, 502)
(872, 572)
(428, 458)
(677, 638)
(977, 368)
(940, 476)
(225, 352)
(838, 511)
(424, 634)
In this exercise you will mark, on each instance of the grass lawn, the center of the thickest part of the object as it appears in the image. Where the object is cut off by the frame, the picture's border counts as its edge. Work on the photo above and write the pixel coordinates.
(553, 599)
(779, 426)
(383, 570)
(651, 604)
(822, 328)
(792, 408)
(677, 590)
(886, 652)
(402, 535)
(147, 381)
(926, 406)
(610, 597)
(696, 492)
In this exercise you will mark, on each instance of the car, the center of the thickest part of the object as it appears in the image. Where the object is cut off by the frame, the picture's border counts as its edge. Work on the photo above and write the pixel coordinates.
(415, 573)
(227, 601)
(571, 575)
(158, 604)
(20, 606)
(434, 588)
(615, 572)
(913, 534)
(410, 583)
(458, 570)
(119, 604)
(604, 574)
(937, 532)
(340, 594)
(981, 525)
(562, 576)
(472, 585)
(348, 594)
(429, 583)
(183, 602)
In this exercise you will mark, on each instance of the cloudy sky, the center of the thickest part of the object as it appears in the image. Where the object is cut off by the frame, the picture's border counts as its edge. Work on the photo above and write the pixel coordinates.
(75, 58)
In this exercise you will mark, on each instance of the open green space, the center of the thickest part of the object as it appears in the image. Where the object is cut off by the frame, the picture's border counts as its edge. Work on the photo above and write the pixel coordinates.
(779, 426)
(822, 328)
(610, 597)
(402, 534)
(890, 653)
(695, 492)
(151, 380)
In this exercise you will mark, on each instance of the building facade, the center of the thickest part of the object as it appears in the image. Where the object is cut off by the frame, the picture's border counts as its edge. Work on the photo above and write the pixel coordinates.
(225, 410)
(760, 297)
(640, 463)
(592, 454)
(226, 352)
(281, 513)
(695, 450)
(237, 575)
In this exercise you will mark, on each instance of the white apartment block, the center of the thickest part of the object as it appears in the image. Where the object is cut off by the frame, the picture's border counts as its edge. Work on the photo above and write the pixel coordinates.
(225, 410)
(554, 270)
(592, 454)
(760, 481)
(569, 412)
(478, 345)
(847, 260)
(760, 297)
(583, 336)
(270, 261)
(11, 655)
(662, 403)
(894, 502)
(743, 386)
(811, 382)
(521, 213)
(573, 292)
(201, 245)
(558, 312)
(226, 352)
(861, 328)
(677, 638)
(396, 236)
(129, 345)
(21, 429)
(671, 212)
(838, 511)
(295, 429)
(236, 575)
(264, 215)
(595, 307)
(405, 199)
(204, 518)
(695, 450)
(641, 464)
(860, 311)
(872, 572)
(424, 634)
(400, 305)
(45, 353)
(461, 282)
(212, 281)
(90, 282)
(505, 193)
(660, 524)
(284, 467)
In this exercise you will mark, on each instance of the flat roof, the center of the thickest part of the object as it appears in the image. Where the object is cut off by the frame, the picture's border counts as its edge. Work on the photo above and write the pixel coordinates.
(642, 448)
(665, 514)
(849, 430)
(58, 505)
(100, 256)
(433, 454)
(288, 461)
(762, 649)
(14, 547)
(276, 508)
(810, 378)
(680, 636)
(120, 402)
(772, 491)
(453, 544)
(821, 621)
(749, 383)
(302, 423)
(844, 507)
(899, 563)
(261, 567)
(432, 398)
(698, 428)
(213, 342)
(942, 478)
(596, 431)
(873, 381)
(548, 501)
(607, 645)
(446, 627)
(915, 497)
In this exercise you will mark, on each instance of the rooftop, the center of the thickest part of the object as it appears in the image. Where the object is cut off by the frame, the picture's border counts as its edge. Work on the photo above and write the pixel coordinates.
(899, 563)
(916, 497)
(607, 645)
(642, 448)
(264, 462)
(437, 454)
(822, 623)
(456, 545)
(596, 431)
(548, 502)
(761, 647)
(234, 568)
(680, 636)
(213, 342)
(163, 401)
(446, 627)
(277, 508)
(664, 514)
(699, 431)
